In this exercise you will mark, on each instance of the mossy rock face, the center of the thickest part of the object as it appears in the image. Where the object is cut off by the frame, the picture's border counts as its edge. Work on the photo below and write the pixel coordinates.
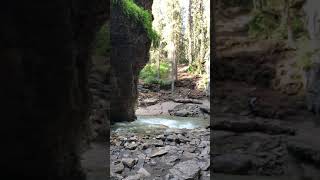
(139, 15)
(130, 53)
(102, 45)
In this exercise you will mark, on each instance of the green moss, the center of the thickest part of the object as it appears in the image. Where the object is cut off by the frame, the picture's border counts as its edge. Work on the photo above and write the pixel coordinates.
(102, 46)
(263, 25)
(304, 53)
(267, 25)
(139, 15)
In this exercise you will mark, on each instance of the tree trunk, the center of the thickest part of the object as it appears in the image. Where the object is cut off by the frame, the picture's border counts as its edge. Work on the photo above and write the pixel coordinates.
(158, 65)
(190, 49)
(291, 43)
(254, 2)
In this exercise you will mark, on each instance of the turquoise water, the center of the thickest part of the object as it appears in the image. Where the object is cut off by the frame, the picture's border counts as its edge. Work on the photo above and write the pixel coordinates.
(152, 123)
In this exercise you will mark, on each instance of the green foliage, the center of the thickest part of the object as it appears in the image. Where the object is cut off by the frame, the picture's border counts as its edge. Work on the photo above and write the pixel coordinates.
(192, 68)
(268, 26)
(263, 25)
(150, 71)
(202, 84)
(298, 27)
(102, 45)
(139, 15)
(304, 53)
(161, 82)
(195, 69)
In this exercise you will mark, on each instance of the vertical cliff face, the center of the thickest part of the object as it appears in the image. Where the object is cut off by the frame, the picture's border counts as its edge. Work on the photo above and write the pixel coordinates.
(44, 51)
(130, 52)
(312, 11)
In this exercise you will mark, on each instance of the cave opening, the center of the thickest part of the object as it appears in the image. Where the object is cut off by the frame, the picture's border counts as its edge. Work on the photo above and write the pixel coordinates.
(159, 103)
(178, 68)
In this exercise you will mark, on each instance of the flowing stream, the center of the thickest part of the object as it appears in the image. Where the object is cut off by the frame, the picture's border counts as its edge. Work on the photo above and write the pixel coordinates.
(149, 124)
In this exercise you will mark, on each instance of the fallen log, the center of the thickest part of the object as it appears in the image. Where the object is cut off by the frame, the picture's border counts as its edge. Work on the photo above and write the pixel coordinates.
(193, 101)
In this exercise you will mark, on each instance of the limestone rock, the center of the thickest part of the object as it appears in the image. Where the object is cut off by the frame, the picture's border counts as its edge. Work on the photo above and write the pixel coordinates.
(117, 168)
(232, 163)
(149, 102)
(144, 172)
(128, 162)
(159, 152)
(134, 177)
(188, 170)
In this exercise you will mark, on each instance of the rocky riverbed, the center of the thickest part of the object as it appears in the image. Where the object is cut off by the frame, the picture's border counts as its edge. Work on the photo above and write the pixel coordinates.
(170, 154)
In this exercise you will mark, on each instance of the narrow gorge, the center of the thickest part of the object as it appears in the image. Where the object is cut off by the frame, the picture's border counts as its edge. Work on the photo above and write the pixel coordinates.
(155, 134)
(59, 99)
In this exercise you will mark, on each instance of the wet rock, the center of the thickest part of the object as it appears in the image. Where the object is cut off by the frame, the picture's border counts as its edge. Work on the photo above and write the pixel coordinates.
(188, 170)
(304, 151)
(134, 177)
(189, 148)
(157, 161)
(172, 137)
(117, 168)
(131, 146)
(189, 155)
(195, 142)
(204, 165)
(251, 125)
(204, 144)
(170, 160)
(222, 134)
(128, 162)
(157, 143)
(145, 146)
(115, 176)
(149, 102)
(182, 139)
(205, 109)
(205, 151)
(144, 172)
(161, 136)
(187, 110)
(170, 177)
(159, 152)
(232, 163)
(152, 163)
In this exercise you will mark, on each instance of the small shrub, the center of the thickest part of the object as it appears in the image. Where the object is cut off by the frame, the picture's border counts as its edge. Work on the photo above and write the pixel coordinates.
(150, 72)
(304, 53)
(298, 27)
(161, 82)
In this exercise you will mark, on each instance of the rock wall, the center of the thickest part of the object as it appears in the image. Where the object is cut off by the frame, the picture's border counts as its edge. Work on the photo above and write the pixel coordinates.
(100, 93)
(313, 74)
(45, 52)
(129, 54)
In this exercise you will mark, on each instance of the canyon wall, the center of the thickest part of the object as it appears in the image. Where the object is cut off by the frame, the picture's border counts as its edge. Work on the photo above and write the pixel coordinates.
(130, 52)
(45, 50)
(312, 12)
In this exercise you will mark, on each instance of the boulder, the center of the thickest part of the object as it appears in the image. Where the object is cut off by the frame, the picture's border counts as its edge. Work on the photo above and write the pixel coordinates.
(187, 170)
(232, 163)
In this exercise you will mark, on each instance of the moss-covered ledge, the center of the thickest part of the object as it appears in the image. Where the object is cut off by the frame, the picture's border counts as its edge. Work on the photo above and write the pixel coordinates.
(139, 15)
